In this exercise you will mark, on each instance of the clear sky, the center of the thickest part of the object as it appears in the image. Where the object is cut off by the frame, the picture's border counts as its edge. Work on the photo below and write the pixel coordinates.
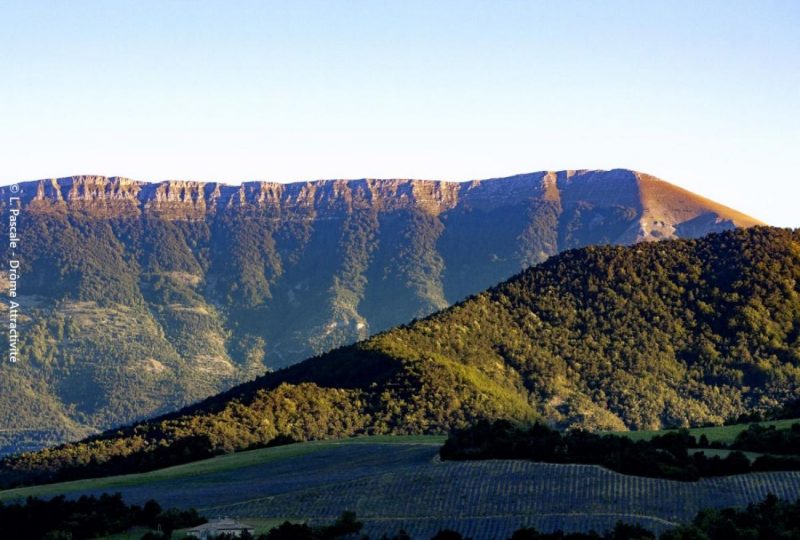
(705, 94)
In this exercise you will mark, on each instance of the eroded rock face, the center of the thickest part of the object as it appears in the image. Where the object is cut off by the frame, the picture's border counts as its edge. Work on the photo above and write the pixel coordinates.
(142, 297)
(657, 203)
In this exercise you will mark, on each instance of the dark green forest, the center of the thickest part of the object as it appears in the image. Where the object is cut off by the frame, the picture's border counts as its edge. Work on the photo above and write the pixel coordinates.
(88, 517)
(673, 333)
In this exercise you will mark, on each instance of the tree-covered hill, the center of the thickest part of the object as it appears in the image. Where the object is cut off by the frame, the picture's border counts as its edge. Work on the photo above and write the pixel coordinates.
(681, 332)
(138, 298)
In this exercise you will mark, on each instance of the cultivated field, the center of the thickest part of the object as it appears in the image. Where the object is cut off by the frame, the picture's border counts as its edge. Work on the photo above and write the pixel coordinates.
(398, 482)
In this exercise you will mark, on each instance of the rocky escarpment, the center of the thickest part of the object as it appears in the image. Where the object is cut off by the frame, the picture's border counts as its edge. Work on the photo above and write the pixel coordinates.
(657, 203)
(139, 297)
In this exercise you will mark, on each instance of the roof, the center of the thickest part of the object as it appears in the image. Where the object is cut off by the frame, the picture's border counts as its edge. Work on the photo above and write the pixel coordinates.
(222, 525)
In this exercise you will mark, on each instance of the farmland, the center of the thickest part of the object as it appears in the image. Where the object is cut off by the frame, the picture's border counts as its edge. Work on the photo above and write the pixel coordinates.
(399, 482)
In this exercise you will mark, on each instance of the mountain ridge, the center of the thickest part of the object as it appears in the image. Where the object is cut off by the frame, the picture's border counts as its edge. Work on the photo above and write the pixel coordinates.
(432, 195)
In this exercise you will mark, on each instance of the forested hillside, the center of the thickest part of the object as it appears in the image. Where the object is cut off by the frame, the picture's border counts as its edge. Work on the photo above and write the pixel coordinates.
(137, 299)
(657, 334)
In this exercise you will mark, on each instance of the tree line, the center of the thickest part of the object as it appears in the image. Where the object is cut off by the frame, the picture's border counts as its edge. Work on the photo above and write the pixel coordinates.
(87, 517)
(92, 517)
(673, 455)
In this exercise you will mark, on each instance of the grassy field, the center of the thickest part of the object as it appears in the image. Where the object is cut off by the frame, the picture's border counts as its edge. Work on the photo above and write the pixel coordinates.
(399, 482)
(725, 434)
(723, 453)
(241, 460)
(218, 464)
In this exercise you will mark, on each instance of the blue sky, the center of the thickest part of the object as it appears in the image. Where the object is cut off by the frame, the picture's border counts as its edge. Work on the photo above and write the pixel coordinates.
(704, 94)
